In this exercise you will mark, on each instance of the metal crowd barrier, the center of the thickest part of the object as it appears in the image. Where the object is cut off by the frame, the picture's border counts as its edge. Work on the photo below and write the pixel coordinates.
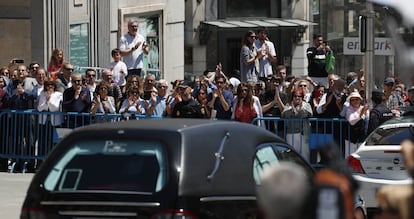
(31, 135)
(308, 135)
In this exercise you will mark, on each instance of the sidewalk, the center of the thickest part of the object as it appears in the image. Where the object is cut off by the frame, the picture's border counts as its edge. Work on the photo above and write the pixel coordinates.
(13, 187)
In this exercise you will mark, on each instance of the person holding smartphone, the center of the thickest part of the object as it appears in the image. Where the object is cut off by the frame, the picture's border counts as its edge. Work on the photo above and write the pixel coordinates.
(317, 60)
(133, 47)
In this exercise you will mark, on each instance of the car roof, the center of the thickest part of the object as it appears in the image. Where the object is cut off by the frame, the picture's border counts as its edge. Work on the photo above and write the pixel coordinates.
(154, 124)
(400, 121)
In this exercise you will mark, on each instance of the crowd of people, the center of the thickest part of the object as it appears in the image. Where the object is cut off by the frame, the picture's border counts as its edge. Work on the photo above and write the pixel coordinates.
(253, 92)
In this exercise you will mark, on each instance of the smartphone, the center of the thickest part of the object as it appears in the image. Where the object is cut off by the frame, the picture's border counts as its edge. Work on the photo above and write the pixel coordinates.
(147, 95)
(15, 83)
(19, 61)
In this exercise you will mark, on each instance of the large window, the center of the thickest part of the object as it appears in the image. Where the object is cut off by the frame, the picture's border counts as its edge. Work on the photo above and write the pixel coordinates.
(243, 8)
(109, 165)
(79, 44)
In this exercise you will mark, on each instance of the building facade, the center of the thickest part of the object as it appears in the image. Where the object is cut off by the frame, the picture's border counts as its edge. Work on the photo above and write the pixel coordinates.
(214, 30)
(87, 31)
(189, 36)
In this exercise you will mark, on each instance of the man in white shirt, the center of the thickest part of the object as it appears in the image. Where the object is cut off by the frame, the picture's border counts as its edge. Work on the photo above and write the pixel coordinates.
(133, 47)
(266, 47)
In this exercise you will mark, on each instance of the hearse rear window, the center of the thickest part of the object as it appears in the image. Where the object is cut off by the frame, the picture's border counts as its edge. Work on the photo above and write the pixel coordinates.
(113, 166)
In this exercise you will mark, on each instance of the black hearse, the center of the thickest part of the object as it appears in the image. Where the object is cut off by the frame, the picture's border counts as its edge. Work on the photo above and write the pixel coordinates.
(163, 168)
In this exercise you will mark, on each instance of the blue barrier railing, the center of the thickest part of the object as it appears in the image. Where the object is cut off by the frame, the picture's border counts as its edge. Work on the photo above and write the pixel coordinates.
(26, 135)
(30, 135)
(307, 135)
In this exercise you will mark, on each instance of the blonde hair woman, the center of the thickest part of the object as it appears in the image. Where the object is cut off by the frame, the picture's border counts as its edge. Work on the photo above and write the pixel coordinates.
(55, 63)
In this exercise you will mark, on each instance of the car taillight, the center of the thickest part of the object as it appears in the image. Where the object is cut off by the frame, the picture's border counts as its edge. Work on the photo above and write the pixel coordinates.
(32, 213)
(355, 165)
(174, 214)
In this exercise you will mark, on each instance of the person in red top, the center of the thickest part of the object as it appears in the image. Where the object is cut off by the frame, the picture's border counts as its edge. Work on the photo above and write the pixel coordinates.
(244, 107)
(55, 63)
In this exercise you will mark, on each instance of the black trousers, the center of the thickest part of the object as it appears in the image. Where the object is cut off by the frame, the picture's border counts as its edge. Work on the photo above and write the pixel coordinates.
(136, 71)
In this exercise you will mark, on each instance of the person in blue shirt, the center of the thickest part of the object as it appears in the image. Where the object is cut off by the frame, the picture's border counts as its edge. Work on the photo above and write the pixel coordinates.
(156, 106)
(220, 99)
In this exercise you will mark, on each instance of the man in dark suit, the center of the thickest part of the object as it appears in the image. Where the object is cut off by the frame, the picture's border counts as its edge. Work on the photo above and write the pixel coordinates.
(76, 99)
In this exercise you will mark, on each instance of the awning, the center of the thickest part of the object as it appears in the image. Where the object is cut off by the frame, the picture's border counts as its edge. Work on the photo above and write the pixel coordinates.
(253, 23)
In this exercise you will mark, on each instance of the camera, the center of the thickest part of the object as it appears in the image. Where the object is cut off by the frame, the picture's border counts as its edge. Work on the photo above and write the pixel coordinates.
(147, 95)
(19, 61)
(16, 83)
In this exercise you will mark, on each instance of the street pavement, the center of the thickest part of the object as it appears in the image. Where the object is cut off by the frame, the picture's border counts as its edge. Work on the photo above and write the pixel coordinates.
(13, 187)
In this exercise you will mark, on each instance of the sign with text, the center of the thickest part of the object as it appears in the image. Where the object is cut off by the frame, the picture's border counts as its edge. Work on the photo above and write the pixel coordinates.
(382, 46)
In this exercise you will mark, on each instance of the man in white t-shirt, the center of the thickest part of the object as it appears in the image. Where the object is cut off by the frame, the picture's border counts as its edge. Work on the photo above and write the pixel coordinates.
(266, 47)
(133, 47)
(119, 68)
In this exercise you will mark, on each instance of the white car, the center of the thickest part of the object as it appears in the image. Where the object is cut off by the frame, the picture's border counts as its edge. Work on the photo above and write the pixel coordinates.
(378, 161)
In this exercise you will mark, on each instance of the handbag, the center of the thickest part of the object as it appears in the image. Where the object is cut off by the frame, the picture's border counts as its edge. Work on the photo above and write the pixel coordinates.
(330, 62)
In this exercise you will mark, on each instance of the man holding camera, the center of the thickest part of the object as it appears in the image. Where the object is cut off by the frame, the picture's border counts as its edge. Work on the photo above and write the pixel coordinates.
(185, 106)
(317, 60)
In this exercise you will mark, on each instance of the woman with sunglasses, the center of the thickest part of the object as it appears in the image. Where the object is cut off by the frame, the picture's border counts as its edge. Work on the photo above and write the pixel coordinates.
(50, 102)
(102, 103)
(249, 58)
(133, 105)
(305, 86)
(132, 81)
(203, 101)
(294, 113)
(246, 106)
(355, 113)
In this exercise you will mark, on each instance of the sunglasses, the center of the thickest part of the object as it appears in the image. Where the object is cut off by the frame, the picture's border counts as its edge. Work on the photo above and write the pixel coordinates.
(91, 76)
(303, 85)
(77, 81)
(69, 69)
(298, 96)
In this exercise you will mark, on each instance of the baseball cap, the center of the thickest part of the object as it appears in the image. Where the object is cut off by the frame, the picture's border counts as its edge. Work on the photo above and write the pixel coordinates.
(377, 93)
(389, 80)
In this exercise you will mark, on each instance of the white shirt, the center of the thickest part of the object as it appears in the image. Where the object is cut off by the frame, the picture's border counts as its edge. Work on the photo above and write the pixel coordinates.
(119, 72)
(134, 59)
(54, 105)
(264, 63)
